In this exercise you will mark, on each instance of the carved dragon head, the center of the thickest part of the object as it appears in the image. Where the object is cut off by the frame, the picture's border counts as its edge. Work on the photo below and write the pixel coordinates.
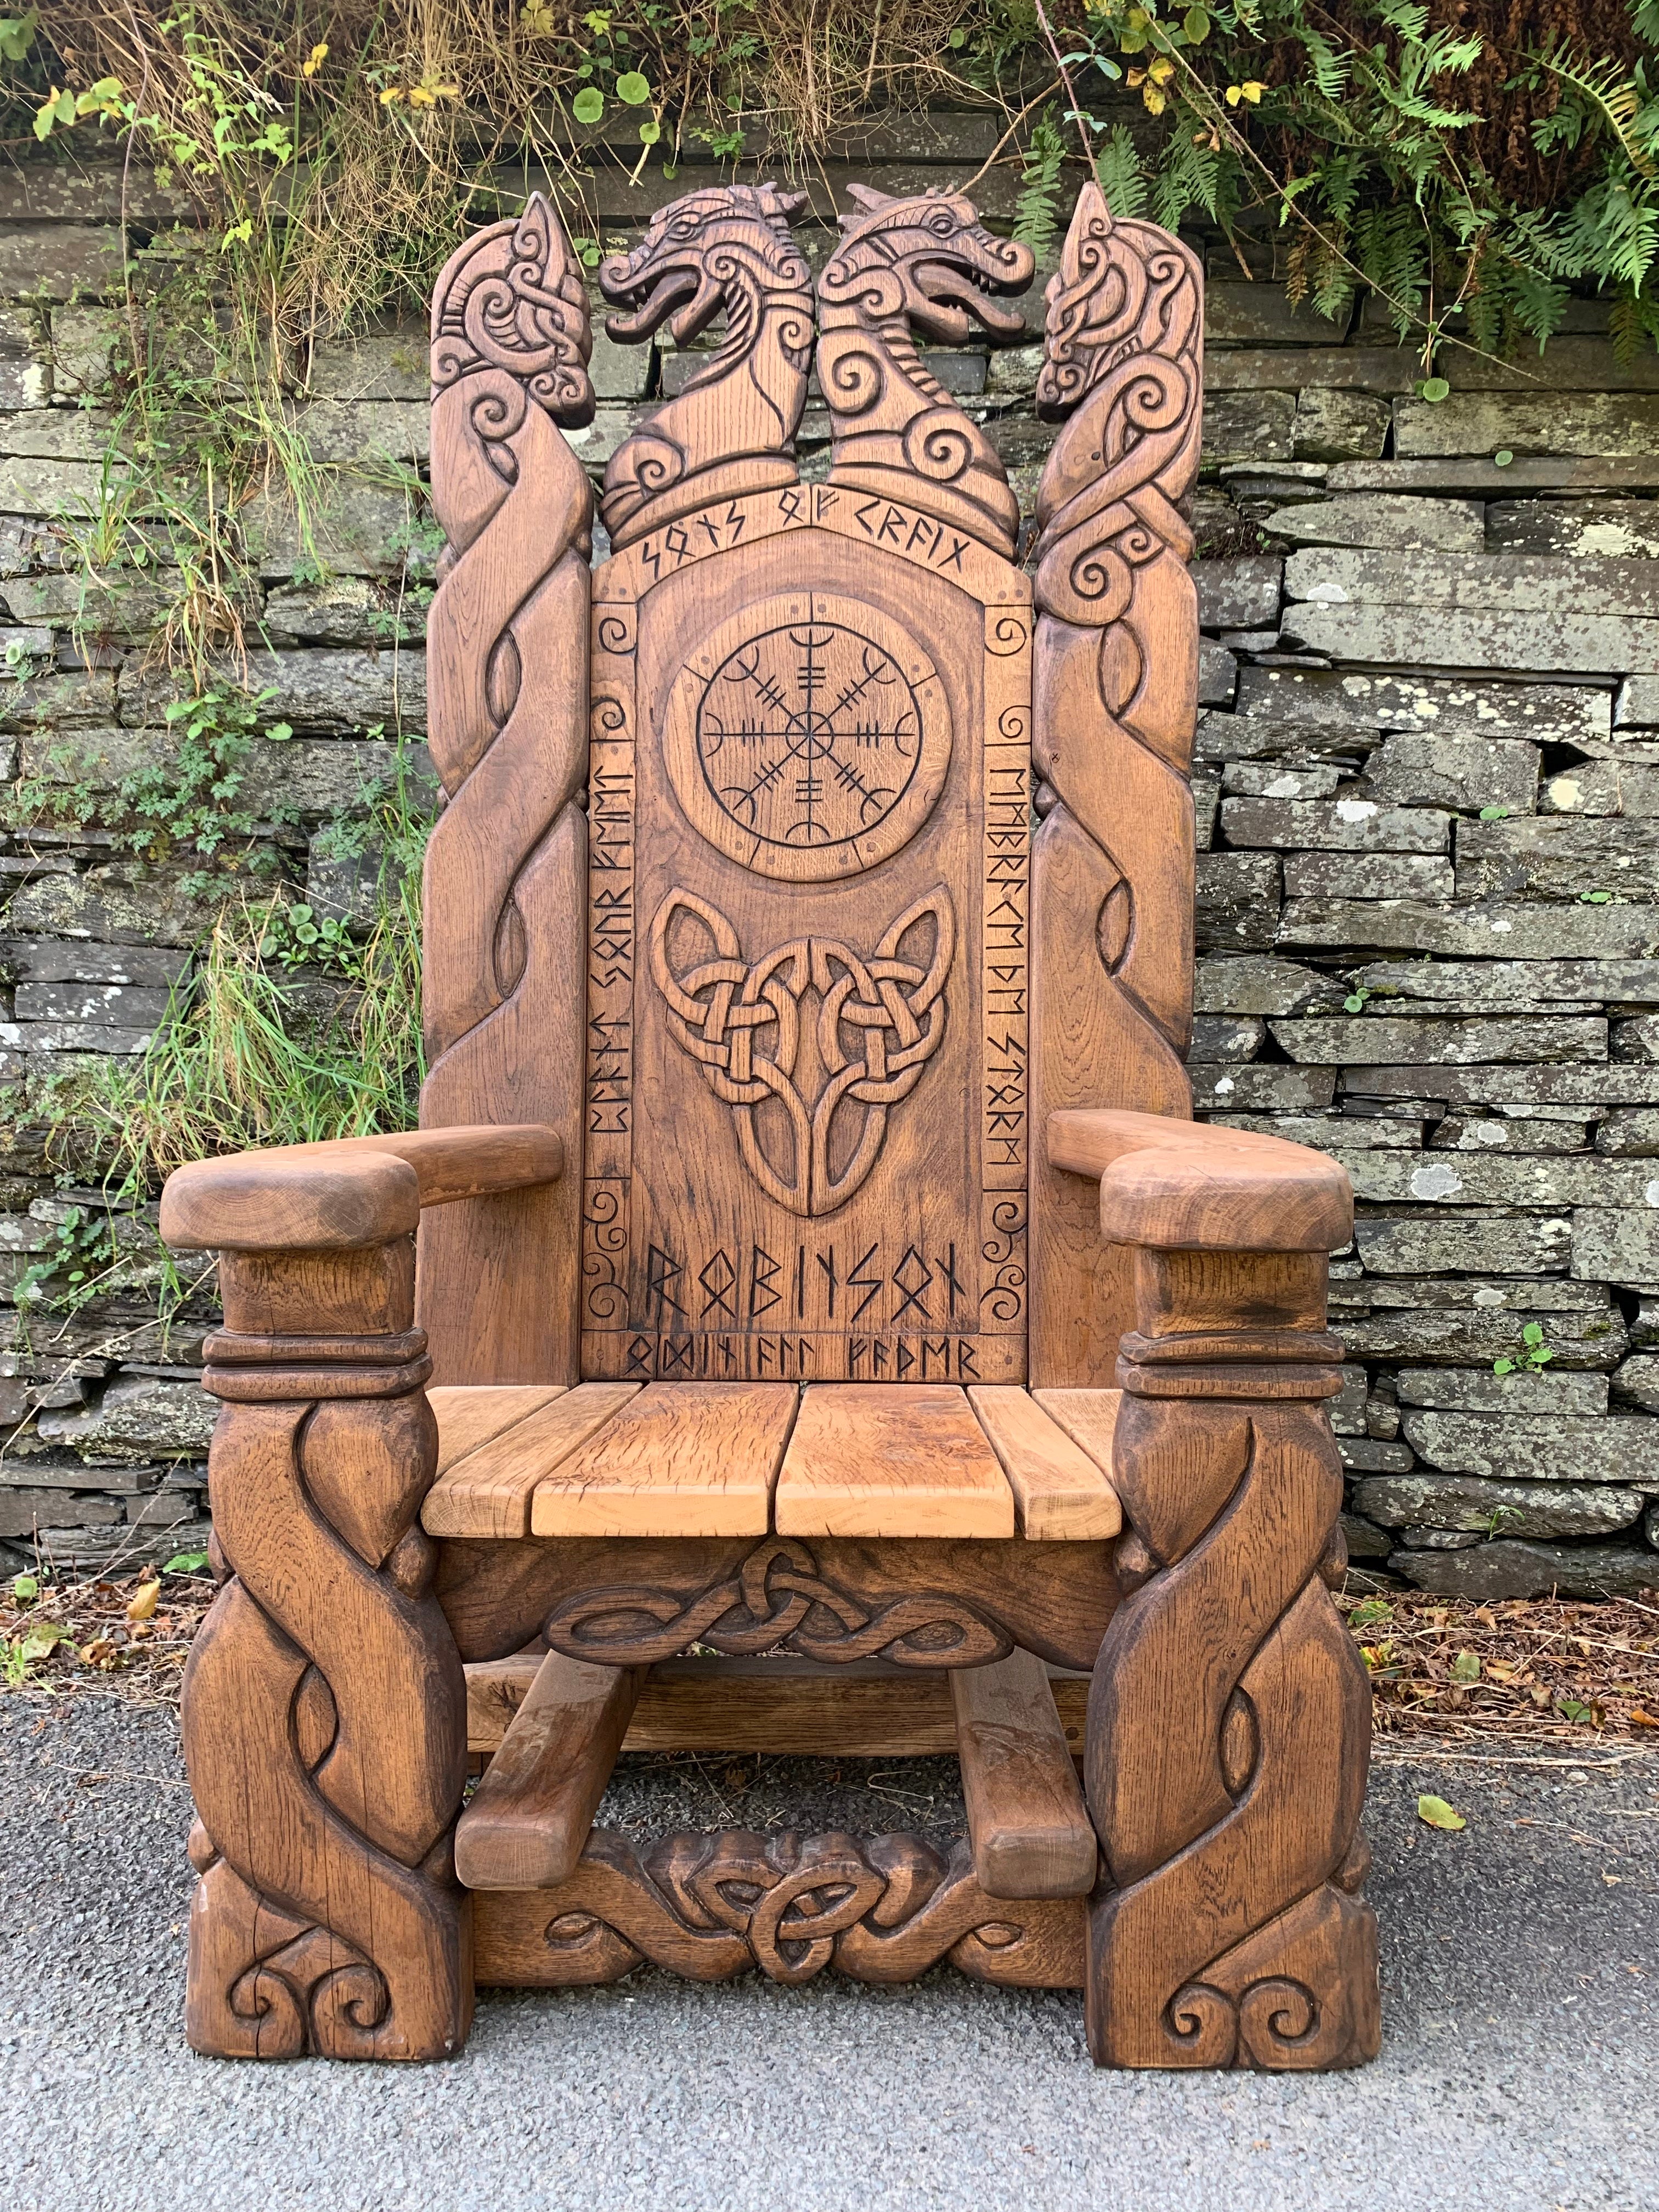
(705, 253)
(1122, 291)
(929, 261)
(513, 298)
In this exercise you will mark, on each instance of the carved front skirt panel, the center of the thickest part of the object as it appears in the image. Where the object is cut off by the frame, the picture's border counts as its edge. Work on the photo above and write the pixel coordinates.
(808, 811)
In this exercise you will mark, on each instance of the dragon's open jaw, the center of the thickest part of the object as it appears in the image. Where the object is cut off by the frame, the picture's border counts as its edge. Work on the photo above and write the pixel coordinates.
(957, 296)
(688, 289)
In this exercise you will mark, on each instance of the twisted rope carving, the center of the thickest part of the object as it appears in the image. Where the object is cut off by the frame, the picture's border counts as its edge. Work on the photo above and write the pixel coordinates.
(925, 263)
(505, 639)
(883, 1910)
(777, 1595)
(721, 1009)
(1122, 370)
(1232, 1936)
(327, 1917)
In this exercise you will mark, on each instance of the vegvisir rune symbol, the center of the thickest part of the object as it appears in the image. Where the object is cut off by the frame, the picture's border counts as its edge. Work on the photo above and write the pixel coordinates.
(808, 738)
(808, 735)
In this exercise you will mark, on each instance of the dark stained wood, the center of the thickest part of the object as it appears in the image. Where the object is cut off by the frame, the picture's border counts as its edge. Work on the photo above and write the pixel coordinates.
(881, 1910)
(530, 1816)
(1115, 704)
(506, 864)
(626, 1601)
(324, 1703)
(1027, 1822)
(795, 1708)
(1179, 1186)
(807, 985)
(731, 430)
(923, 266)
(1229, 1722)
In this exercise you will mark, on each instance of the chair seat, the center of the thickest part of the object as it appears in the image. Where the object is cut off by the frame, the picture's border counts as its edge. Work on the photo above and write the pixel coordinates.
(743, 1459)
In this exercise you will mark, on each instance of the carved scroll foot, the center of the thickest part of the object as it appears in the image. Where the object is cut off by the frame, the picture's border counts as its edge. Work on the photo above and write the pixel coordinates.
(1229, 1716)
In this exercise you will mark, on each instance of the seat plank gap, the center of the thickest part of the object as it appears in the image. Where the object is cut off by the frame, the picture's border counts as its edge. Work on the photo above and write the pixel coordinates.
(530, 1814)
(1062, 1489)
(1031, 1831)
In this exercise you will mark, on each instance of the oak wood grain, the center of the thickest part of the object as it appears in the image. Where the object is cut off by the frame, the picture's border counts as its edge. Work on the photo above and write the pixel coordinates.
(1062, 1491)
(685, 1459)
(530, 1816)
(795, 1708)
(489, 1492)
(891, 1460)
(1181, 1186)
(1031, 1831)
(469, 1415)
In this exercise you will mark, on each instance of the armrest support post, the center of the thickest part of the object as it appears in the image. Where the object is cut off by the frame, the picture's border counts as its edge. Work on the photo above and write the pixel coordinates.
(1229, 1716)
(325, 1704)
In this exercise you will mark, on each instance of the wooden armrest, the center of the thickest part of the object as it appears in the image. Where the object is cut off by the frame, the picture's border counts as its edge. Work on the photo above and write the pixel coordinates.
(1180, 1186)
(352, 1191)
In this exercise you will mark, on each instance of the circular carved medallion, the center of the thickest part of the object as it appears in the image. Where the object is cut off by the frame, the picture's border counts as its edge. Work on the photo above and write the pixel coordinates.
(808, 738)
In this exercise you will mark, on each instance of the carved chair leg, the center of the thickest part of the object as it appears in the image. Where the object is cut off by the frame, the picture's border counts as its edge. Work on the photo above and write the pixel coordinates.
(325, 1702)
(1228, 1715)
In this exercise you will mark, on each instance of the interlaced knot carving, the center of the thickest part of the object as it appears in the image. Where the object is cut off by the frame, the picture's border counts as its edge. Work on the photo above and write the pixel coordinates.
(879, 1022)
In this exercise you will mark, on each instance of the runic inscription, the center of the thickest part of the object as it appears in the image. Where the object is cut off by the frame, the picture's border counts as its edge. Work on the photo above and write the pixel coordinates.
(808, 738)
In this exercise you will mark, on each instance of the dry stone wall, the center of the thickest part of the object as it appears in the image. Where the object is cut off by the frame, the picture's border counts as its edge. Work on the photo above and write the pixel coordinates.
(1427, 777)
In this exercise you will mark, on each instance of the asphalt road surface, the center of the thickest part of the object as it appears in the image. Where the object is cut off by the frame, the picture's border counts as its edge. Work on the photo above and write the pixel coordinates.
(1520, 2065)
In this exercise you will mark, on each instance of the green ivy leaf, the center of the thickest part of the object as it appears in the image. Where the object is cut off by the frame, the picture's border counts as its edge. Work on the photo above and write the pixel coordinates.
(186, 1563)
(633, 88)
(24, 1587)
(1436, 1812)
(588, 105)
(1494, 814)
(649, 133)
(1434, 389)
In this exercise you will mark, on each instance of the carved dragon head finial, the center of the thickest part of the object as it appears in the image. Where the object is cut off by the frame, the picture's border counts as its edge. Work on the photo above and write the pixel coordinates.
(731, 427)
(697, 252)
(512, 298)
(930, 261)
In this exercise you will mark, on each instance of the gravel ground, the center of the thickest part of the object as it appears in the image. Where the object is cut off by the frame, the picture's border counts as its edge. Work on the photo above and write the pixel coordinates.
(1520, 1967)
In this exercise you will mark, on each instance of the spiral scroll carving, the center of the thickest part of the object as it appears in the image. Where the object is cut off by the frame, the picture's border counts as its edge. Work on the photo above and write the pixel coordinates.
(506, 671)
(326, 1918)
(731, 430)
(1232, 1935)
(923, 265)
(882, 1909)
(1115, 700)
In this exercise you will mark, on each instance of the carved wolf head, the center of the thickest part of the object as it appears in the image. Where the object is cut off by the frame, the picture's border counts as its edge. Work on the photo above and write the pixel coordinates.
(929, 259)
(698, 251)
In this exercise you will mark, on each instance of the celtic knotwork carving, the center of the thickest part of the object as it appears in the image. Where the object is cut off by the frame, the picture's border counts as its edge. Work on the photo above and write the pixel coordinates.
(882, 1909)
(880, 1021)
(1231, 1935)
(778, 1595)
(924, 264)
(326, 1918)
(731, 430)
(506, 677)
(513, 298)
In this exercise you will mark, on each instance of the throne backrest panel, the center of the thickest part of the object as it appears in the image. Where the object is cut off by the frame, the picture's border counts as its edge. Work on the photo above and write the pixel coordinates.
(776, 805)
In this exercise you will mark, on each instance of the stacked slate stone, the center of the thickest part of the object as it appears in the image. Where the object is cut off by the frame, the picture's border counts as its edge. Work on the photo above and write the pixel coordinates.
(1427, 776)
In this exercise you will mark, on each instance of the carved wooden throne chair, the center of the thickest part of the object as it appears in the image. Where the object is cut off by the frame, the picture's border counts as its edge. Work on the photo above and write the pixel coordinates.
(806, 1255)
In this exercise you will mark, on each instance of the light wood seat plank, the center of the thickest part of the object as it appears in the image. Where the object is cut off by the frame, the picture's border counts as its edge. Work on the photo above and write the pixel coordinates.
(1062, 1488)
(704, 1459)
(681, 1459)
(892, 1459)
(471, 1414)
(489, 1492)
